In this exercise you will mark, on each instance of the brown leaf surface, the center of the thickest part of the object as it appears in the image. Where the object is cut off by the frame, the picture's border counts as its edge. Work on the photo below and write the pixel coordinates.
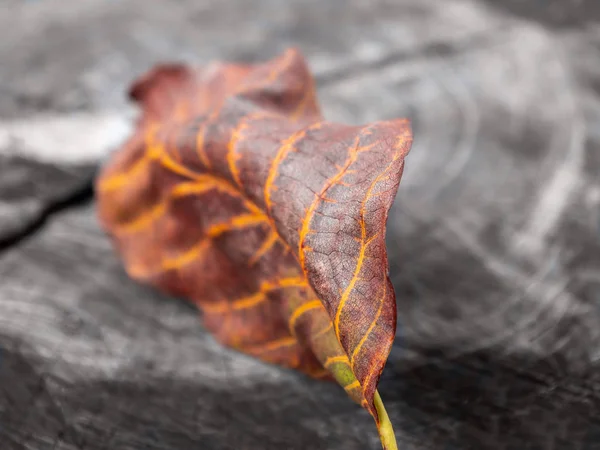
(236, 194)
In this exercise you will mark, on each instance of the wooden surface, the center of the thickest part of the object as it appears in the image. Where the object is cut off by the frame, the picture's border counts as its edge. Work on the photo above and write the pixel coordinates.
(494, 239)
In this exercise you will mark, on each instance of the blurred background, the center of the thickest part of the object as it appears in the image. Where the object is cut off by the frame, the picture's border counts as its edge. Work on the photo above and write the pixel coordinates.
(494, 239)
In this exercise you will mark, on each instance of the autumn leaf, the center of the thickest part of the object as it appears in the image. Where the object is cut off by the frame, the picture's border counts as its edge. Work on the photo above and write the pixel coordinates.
(235, 193)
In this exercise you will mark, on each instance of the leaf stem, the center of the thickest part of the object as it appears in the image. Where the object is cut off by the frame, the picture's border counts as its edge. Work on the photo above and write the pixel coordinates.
(386, 431)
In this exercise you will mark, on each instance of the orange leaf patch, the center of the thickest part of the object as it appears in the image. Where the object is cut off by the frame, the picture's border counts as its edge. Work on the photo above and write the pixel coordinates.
(235, 193)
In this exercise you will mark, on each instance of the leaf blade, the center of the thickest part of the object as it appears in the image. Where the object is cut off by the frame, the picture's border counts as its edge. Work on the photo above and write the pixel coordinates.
(235, 193)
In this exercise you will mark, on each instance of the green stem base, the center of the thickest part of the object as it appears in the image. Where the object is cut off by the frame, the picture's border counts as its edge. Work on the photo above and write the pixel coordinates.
(386, 431)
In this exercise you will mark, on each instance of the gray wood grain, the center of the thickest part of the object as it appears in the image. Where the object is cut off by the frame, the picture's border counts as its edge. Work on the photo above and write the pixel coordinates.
(494, 241)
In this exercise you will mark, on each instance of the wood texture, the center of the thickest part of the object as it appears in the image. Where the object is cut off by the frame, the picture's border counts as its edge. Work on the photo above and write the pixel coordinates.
(493, 239)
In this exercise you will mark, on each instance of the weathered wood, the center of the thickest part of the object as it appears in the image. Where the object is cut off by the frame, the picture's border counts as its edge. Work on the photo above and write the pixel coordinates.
(494, 241)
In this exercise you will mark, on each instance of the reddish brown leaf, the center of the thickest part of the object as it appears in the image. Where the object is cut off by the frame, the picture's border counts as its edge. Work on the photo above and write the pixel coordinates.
(236, 194)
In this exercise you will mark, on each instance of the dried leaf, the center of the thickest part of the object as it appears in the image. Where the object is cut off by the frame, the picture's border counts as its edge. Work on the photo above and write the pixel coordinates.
(236, 194)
